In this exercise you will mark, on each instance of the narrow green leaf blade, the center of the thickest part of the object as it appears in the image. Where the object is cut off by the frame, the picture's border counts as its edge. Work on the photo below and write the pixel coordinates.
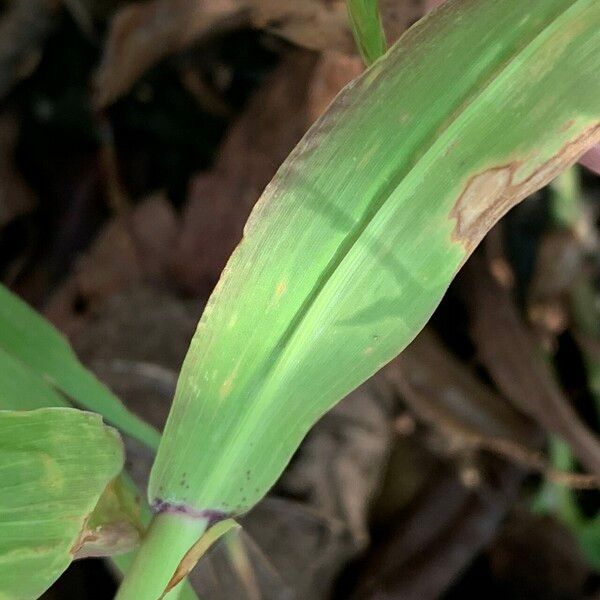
(365, 21)
(27, 337)
(23, 389)
(54, 465)
(355, 241)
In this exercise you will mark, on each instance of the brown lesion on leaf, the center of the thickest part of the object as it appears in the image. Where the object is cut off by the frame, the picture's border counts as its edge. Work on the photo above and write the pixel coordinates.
(489, 195)
(53, 477)
(567, 125)
(281, 288)
(482, 203)
(227, 384)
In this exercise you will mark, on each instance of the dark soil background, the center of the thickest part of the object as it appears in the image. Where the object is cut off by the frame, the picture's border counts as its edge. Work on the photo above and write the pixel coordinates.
(134, 141)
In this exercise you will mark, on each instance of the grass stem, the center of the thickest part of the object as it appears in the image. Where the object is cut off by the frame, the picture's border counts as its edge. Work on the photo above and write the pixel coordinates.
(168, 540)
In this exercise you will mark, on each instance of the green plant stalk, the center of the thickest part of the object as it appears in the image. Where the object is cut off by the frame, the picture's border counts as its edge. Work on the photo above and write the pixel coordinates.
(355, 241)
(367, 29)
(566, 203)
(556, 498)
(165, 545)
(184, 590)
(561, 502)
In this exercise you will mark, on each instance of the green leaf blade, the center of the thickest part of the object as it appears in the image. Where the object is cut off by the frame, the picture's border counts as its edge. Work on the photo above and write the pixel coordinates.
(54, 465)
(365, 22)
(355, 241)
(23, 389)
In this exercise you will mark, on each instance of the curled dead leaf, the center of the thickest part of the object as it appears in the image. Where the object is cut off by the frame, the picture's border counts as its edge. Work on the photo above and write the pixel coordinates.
(198, 550)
